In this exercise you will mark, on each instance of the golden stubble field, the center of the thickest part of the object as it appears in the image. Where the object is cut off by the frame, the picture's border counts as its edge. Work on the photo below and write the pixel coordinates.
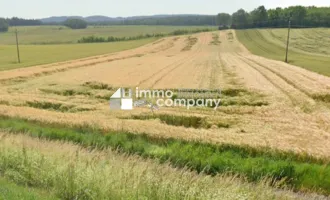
(276, 105)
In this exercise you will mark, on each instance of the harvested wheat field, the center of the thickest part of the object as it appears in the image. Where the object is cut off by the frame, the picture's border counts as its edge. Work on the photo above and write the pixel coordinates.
(273, 104)
(272, 126)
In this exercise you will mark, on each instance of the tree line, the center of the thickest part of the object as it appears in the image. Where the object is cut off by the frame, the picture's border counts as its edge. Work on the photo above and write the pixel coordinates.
(260, 17)
(5, 23)
(300, 16)
(176, 20)
(279, 17)
(15, 21)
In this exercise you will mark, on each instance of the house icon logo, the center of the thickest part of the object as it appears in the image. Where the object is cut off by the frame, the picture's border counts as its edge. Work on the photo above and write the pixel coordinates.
(122, 100)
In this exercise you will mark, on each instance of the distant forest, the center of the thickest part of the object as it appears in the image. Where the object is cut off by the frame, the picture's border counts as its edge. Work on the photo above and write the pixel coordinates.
(15, 21)
(260, 17)
(175, 20)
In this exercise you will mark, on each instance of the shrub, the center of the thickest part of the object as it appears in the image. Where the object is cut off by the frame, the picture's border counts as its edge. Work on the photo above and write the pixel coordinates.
(96, 39)
(75, 23)
(3, 25)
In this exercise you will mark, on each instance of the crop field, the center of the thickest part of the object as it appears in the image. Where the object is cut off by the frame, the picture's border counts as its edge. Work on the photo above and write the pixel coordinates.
(62, 35)
(269, 138)
(309, 48)
(50, 44)
(32, 55)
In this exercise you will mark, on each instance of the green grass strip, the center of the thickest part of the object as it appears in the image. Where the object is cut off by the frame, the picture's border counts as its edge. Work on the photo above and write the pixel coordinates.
(302, 172)
(12, 191)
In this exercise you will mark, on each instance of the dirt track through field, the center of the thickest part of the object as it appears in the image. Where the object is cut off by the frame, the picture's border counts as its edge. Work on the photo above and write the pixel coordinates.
(293, 119)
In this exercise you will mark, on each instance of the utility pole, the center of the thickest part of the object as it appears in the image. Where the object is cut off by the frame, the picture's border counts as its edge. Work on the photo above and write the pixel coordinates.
(215, 21)
(287, 43)
(19, 59)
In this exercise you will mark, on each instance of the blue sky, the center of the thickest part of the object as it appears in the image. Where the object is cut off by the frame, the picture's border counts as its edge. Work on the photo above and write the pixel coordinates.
(115, 8)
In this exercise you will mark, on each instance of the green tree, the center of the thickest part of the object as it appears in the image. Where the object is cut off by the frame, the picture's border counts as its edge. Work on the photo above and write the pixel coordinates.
(259, 16)
(15, 21)
(3, 25)
(300, 17)
(223, 19)
(298, 14)
(76, 23)
(275, 17)
(240, 19)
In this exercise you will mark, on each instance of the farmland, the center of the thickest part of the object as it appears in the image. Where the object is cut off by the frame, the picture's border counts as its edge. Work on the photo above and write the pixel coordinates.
(268, 140)
(42, 54)
(50, 44)
(62, 35)
(309, 48)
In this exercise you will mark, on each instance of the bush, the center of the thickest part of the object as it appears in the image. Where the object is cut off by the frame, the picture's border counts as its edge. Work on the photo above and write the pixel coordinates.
(95, 39)
(3, 25)
(75, 23)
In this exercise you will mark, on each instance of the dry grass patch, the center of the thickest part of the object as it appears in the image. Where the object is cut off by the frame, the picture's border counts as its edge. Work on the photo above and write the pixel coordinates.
(215, 41)
(56, 106)
(190, 42)
(98, 86)
(66, 92)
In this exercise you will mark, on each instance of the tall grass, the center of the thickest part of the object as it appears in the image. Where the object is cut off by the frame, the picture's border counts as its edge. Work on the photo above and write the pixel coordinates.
(11, 191)
(299, 171)
(70, 172)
